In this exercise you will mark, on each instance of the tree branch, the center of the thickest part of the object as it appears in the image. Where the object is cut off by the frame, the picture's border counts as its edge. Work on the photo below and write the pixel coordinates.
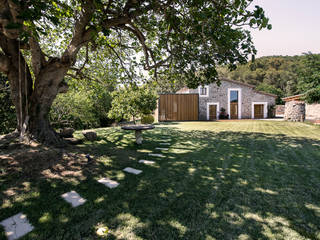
(38, 60)
(8, 13)
(146, 50)
(86, 60)
(121, 61)
(81, 35)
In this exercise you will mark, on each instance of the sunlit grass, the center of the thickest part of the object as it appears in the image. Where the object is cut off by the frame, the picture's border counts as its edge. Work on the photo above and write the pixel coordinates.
(219, 180)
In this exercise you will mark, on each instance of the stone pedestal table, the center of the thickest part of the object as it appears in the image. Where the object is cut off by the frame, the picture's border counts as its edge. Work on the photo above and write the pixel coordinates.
(138, 131)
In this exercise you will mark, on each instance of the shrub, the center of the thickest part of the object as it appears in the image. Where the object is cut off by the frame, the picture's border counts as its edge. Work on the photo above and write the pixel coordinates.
(7, 110)
(73, 109)
(312, 96)
(271, 111)
(223, 114)
(132, 102)
(147, 119)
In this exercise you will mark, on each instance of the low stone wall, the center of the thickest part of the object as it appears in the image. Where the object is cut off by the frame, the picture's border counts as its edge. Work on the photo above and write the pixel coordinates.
(313, 111)
(295, 111)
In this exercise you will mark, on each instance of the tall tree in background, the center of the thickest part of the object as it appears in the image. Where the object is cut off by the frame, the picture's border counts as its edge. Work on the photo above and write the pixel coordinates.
(309, 76)
(184, 36)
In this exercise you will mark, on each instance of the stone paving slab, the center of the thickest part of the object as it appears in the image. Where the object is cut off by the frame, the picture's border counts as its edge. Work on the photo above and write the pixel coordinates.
(146, 161)
(73, 198)
(16, 226)
(164, 149)
(165, 140)
(108, 182)
(132, 170)
(156, 155)
(163, 143)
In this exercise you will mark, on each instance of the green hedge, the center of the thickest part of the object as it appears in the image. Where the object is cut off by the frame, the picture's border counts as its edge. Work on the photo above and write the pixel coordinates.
(147, 119)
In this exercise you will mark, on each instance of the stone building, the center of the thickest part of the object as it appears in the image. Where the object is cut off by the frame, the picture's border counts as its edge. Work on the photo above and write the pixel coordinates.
(239, 100)
(297, 110)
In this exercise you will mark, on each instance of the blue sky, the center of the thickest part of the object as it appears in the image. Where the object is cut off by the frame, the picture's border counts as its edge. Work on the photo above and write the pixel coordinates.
(295, 27)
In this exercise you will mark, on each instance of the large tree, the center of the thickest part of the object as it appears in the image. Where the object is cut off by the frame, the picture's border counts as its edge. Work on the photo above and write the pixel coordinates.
(190, 37)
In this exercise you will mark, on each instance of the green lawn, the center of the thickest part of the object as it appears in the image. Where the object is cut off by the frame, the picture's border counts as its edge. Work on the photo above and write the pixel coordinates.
(219, 180)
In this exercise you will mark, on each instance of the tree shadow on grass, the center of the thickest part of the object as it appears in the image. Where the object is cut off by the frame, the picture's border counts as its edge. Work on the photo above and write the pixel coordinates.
(227, 185)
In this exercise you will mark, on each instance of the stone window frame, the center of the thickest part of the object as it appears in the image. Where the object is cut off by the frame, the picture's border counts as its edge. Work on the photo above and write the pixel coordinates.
(239, 101)
(212, 103)
(206, 87)
(265, 109)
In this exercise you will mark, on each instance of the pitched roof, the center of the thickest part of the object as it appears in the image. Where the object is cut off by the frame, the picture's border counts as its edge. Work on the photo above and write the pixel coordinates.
(293, 98)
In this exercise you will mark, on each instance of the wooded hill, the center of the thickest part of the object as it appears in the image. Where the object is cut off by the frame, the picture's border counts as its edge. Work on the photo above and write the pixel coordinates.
(280, 75)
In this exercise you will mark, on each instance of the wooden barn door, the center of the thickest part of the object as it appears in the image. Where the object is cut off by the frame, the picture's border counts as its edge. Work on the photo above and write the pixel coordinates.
(212, 112)
(178, 107)
(234, 110)
(258, 111)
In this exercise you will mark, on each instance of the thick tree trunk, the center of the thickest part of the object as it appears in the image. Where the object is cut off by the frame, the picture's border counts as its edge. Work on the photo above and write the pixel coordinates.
(47, 85)
(33, 103)
(39, 128)
(33, 99)
(19, 77)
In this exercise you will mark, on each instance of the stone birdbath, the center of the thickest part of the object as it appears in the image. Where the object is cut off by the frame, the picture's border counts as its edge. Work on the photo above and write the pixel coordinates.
(138, 131)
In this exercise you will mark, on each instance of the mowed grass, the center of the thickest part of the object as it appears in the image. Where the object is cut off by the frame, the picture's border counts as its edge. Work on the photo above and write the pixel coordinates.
(219, 180)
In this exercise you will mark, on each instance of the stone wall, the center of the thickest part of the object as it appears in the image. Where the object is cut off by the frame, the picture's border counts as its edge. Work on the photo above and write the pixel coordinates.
(219, 94)
(313, 111)
(294, 111)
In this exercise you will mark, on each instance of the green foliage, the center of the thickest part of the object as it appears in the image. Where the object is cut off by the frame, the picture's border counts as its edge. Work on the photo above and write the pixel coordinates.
(280, 75)
(223, 114)
(132, 102)
(8, 120)
(81, 109)
(313, 95)
(75, 109)
(271, 111)
(309, 76)
(147, 119)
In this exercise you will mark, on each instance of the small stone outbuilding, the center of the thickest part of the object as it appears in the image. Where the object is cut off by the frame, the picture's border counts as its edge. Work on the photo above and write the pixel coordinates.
(297, 110)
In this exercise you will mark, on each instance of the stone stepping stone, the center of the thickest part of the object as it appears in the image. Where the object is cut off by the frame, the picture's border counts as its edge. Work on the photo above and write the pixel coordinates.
(147, 162)
(156, 155)
(165, 143)
(73, 198)
(16, 226)
(163, 149)
(108, 182)
(132, 170)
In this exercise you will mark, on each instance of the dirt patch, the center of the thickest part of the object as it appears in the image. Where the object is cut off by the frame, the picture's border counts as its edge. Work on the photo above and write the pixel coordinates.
(21, 163)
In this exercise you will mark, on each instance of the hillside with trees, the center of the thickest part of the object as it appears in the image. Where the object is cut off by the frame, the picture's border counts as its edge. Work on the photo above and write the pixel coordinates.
(280, 75)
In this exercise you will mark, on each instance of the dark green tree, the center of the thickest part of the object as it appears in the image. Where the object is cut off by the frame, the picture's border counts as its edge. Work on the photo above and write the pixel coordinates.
(309, 76)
